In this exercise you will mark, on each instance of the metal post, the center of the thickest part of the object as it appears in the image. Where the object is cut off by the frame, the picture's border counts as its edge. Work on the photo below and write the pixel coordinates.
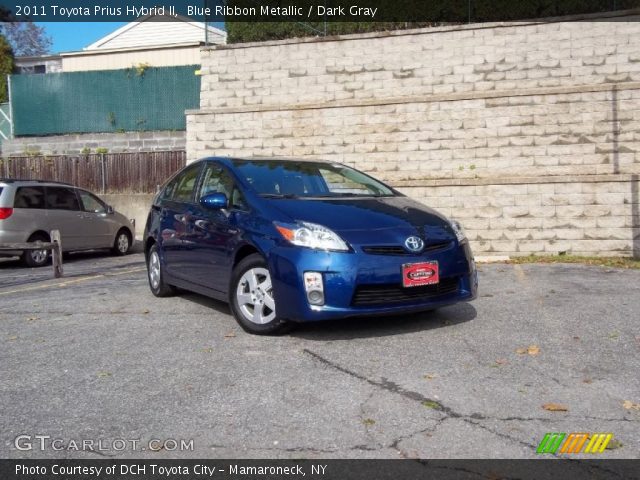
(10, 106)
(104, 180)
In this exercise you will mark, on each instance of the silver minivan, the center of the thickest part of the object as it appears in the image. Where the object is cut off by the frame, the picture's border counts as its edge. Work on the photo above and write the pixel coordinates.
(30, 209)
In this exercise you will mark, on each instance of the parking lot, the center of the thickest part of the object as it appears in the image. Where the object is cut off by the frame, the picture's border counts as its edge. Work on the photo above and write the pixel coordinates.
(95, 356)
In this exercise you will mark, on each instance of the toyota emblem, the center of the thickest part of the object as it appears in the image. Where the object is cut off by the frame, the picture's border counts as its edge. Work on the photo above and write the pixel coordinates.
(414, 244)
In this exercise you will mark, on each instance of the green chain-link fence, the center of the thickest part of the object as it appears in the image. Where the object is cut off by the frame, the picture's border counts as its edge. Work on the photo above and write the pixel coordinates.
(135, 99)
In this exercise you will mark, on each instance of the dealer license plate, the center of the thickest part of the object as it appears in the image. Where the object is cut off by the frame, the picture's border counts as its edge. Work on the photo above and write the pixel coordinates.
(417, 274)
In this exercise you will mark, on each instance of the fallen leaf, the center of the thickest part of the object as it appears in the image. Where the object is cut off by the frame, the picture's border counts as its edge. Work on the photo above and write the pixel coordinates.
(587, 380)
(369, 422)
(613, 335)
(12, 337)
(207, 350)
(432, 404)
(613, 444)
(32, 319)
(532, 350)
(629, 405)
(104, 374)
(230, 335)
(555, 407)
(429, 376)
(146, 310)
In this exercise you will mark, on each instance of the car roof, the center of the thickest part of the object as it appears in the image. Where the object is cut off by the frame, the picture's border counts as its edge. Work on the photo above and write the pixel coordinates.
(23, 182)
(230, 161)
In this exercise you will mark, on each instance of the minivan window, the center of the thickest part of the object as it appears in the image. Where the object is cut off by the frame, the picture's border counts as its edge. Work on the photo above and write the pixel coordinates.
(62, 198)
(29, 197)
(180, 189)
(91, 203)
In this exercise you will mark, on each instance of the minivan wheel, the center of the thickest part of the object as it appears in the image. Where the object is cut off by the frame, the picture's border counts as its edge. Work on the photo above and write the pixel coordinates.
(36, 258)
(122, 243)
(251, 298)
(155, 275)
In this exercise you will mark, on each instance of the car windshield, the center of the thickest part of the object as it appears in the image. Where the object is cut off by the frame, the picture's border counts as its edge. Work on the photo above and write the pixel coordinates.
(288, 179)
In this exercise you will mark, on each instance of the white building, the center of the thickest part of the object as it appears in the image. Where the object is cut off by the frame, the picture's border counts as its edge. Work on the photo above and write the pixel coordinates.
(153, 40)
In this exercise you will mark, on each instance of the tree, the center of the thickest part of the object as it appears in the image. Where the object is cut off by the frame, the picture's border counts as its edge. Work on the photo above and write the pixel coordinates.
(6, 67)
(27, 38)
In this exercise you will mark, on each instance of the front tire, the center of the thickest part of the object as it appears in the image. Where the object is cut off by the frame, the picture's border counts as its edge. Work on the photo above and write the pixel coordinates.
(36, 258)
(155, 273)
(122, 243)
(251, 298)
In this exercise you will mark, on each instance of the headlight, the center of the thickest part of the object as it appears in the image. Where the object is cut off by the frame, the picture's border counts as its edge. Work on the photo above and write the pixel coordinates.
(311, 235)
(458, 230)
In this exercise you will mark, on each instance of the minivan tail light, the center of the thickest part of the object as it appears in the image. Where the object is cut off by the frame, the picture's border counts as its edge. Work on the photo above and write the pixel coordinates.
(5, 213)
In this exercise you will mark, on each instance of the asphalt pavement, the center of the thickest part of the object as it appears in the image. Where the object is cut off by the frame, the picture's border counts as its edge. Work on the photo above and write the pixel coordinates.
(95, 357)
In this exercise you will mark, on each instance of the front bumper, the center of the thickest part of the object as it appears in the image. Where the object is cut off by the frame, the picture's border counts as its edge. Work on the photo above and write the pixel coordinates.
(343, 273)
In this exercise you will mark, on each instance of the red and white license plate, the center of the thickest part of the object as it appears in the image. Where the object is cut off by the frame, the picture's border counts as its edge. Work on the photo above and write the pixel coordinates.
(417, 274)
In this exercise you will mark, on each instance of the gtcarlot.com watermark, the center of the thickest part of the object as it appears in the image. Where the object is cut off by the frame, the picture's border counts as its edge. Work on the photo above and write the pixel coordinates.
(46, 442)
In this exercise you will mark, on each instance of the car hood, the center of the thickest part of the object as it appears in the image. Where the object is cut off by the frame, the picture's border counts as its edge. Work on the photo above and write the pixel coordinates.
(372, 220)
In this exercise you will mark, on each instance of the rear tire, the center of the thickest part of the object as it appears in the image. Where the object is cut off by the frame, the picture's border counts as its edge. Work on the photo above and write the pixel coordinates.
(155, 273)
(122, 243)
(36, 258)
(251, 298)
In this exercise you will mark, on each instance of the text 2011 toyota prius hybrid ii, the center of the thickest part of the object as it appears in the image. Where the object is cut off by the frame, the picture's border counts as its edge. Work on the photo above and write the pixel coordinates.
(296, 241)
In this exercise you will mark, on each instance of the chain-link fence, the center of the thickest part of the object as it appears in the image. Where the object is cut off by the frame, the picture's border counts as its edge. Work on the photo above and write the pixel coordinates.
(135, 99)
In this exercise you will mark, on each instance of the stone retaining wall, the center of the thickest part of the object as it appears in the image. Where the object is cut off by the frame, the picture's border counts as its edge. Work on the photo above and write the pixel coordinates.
(529, 133)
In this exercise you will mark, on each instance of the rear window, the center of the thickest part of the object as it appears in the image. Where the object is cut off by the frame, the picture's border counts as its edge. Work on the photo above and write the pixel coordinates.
(29, 197)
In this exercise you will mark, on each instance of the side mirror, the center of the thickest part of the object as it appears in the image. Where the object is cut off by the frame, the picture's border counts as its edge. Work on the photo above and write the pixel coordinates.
(215, 201)
(110, 210)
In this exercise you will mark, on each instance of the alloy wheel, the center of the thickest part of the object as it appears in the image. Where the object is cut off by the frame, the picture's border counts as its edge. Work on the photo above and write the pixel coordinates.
(154, 269)
(254, 295)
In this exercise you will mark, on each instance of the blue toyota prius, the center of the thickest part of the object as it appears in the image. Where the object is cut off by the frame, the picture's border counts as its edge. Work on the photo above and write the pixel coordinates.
(297, 241)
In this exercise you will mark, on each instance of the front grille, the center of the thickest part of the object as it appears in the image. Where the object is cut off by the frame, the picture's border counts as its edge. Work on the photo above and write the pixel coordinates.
(393, 293)
(398, 250)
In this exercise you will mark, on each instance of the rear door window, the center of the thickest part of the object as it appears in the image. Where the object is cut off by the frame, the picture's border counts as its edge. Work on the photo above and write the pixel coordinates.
(62, 198)
(29, 197)
(181, 188)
